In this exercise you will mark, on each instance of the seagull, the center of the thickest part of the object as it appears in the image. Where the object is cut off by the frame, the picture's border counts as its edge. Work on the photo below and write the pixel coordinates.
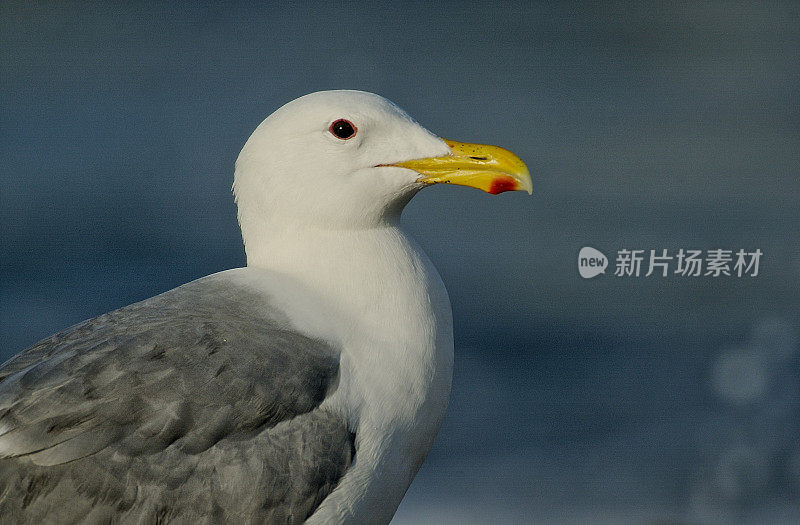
(306, 387)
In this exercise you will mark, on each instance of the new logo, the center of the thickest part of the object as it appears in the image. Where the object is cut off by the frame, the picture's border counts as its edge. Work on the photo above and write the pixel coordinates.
(591, 262)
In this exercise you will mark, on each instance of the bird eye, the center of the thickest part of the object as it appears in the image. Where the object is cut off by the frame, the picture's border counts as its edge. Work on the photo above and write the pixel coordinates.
(343, 129)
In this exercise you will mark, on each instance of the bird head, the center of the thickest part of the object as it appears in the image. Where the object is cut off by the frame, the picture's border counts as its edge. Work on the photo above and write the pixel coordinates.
(350, 159)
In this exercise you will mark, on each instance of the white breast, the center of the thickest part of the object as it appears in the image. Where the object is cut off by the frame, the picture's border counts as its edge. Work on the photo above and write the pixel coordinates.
(379, 298)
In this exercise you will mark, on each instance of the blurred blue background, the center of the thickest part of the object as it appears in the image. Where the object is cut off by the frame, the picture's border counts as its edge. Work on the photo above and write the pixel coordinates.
(646, 126)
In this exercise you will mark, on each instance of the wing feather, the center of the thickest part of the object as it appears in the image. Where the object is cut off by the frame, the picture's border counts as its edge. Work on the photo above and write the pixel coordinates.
(203, 390)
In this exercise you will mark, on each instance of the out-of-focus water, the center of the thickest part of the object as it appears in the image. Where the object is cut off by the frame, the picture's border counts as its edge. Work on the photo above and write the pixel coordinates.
(609, 400)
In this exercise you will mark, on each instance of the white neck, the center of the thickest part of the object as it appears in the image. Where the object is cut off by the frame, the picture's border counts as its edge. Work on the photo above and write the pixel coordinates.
(383, 302)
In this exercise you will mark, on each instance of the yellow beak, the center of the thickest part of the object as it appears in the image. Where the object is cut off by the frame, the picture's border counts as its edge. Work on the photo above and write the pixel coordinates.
(488, 168)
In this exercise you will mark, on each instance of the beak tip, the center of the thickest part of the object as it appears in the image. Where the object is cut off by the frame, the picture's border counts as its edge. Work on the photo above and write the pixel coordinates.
(526, 183)
(528, 187)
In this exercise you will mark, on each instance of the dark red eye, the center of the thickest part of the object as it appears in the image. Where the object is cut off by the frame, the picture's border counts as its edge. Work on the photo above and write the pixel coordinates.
(343, 129)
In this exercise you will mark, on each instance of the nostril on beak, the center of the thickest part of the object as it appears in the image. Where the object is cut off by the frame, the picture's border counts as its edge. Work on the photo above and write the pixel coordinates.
(478, 158)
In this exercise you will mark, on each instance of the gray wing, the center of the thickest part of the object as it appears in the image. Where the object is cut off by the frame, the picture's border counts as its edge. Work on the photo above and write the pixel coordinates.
(190, 406)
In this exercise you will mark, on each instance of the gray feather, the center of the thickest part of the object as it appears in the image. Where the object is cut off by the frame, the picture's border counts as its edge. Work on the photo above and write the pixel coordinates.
(200, 404)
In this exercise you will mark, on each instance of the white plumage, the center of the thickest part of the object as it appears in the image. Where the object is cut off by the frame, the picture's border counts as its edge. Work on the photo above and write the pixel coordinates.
(335, 230)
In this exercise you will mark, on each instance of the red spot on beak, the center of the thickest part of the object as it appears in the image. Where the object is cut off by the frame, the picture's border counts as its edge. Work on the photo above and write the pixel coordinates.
(501, 184)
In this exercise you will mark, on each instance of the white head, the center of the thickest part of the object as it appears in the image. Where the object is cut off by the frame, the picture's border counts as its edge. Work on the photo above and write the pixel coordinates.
(304, 165)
